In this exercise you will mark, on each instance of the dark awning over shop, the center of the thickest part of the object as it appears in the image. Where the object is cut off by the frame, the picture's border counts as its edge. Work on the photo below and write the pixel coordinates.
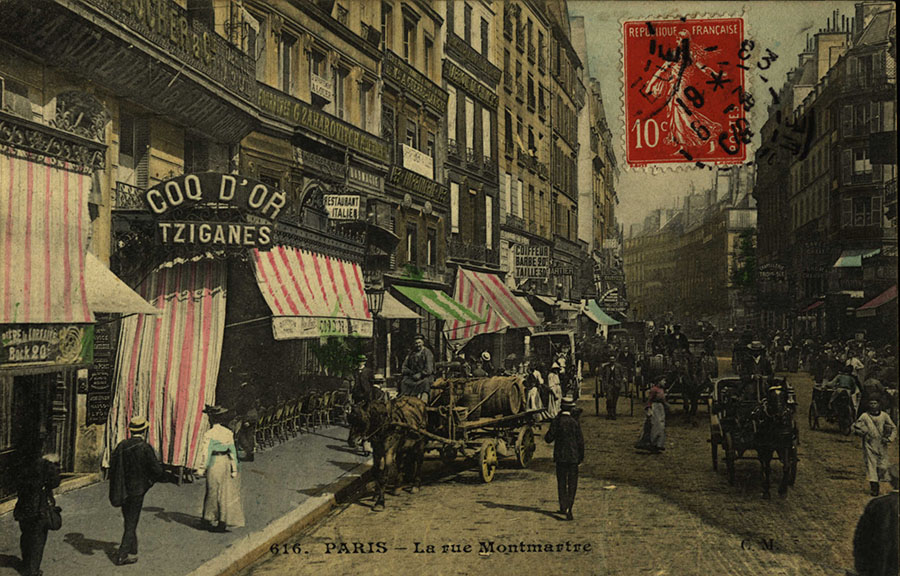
(871, 307)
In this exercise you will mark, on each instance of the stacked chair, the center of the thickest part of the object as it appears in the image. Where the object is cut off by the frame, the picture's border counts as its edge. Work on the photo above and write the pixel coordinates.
(288, 418)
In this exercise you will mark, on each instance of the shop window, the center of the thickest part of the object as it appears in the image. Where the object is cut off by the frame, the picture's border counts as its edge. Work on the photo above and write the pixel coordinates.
(412, 241)
(432, 247)
(387, 26)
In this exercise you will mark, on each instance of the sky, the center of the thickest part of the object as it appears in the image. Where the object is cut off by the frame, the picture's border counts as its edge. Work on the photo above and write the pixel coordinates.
(781, 26)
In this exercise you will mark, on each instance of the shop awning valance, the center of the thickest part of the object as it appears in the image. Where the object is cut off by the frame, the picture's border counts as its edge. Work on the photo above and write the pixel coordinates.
(593, 311)
(854, 258)
(44, 227)
(107, 293)
(312, 295)
(488, 296)
(871, 307)
(439, 304)
(392, 309)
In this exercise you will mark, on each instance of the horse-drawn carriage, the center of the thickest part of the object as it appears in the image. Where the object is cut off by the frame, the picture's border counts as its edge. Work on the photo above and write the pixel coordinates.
(754, 414)
(840, 411)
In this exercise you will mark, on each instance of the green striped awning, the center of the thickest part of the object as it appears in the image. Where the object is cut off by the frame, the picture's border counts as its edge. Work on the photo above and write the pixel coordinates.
(439, 304)
(595, 313)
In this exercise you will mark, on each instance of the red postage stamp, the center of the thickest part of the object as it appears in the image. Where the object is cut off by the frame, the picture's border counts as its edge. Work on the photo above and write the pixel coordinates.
(685, 96)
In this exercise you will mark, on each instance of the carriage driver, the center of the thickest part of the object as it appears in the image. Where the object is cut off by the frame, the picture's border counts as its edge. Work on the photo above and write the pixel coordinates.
(845, 383)
(418, 371)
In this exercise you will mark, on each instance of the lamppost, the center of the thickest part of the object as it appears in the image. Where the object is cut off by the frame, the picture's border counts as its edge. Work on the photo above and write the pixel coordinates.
(374, 287)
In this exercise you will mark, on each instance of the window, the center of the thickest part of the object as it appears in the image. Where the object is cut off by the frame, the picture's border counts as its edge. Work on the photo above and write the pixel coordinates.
(506, 70)
(454, 208)
(531, 143)
(343, 15)
(470, 127)
(531, 96)
(506, 198)
(412, 252)
(485, 37)
(467, 24)
(412, 134)
(519, 191)
(256, 44)
(429, 55)
(409, 40)
(486, 133)
(488, 222)
(861, 164)
(365, 91)
(134, 141)
(429, 145)
(451, 18)
(507, 131)
(451, 115)
(431, 247)
(387, 26)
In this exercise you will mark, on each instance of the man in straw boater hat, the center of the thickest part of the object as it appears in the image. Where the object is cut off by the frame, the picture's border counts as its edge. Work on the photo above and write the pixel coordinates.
(133, 469)
(568, 453)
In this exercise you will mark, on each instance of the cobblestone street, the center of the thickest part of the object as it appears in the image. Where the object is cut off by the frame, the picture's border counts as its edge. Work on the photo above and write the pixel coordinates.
(638, 514)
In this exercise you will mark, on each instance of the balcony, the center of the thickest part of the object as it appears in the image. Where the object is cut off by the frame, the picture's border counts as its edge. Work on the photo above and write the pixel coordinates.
(459, 249)
(516, 223)
(129, 197)
(49, 143)
(194, 76)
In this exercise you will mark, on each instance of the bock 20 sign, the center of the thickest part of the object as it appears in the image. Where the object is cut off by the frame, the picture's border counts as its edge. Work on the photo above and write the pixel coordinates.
(215, 210)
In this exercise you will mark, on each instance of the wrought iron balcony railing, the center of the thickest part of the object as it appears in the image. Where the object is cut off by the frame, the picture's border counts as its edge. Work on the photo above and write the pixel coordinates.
(129, 197)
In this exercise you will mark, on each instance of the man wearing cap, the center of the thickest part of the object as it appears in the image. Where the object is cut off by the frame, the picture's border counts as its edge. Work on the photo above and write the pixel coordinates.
(568, 453)
(418, 371)
(133, 469)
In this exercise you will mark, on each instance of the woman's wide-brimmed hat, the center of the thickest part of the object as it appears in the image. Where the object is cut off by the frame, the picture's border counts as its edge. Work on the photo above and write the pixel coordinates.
(138, 424)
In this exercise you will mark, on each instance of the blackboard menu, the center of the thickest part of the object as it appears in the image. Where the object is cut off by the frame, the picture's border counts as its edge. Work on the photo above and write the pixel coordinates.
(100, 376)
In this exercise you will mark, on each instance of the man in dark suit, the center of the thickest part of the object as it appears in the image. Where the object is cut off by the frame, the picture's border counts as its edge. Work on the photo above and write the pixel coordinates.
(133, 469)
(876, 538)
(568, 453)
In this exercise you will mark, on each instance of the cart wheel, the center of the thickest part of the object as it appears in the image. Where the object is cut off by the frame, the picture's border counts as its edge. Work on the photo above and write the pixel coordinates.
(487, 460)
(813, 416)
(729, 457)
(525, 446)
(715, 451)
(448, 454)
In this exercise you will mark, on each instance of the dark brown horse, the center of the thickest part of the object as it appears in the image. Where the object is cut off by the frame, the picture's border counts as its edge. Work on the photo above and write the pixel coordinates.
(391, 427)
(775, 433)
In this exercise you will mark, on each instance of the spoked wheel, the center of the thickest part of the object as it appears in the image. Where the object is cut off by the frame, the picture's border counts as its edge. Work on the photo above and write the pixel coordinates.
(448, 454)
(813, 416)
(715, 451)
(487, 460)
(729, 457)
(525, 447)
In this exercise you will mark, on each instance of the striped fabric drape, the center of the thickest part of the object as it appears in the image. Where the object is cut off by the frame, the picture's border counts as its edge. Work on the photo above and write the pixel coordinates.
(486, 295)
(167, 366)
(44, 227)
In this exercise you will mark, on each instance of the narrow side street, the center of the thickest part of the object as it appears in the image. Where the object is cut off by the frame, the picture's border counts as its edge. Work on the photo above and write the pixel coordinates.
(638, 514)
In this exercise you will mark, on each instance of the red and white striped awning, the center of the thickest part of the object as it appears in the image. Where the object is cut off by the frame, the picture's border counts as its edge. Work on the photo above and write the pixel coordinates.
(312, 295)
(44, 227)
(487, 296)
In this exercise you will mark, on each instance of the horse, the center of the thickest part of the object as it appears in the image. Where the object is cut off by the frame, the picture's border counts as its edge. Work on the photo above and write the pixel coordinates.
(391, 426)
(775, 430)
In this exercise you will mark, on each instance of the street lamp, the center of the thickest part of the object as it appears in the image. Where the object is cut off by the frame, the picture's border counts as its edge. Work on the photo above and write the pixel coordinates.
(375, 298)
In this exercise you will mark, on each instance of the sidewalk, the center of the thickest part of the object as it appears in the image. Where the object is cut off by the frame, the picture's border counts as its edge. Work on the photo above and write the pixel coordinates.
(286, 486)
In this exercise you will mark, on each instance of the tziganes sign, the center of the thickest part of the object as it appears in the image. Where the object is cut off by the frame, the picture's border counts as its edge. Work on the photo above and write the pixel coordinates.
(205, 195)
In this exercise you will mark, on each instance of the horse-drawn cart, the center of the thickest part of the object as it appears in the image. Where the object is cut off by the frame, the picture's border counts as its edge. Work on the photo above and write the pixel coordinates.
(481, 418)
(756, 415)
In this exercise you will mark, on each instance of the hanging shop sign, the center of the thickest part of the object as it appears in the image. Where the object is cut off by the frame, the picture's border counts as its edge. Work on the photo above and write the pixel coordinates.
(321, 87)
(342, 206)
(198, 209)
(364, 179)
(37, 345)
(100, 388)
(532, 261)
(418, 162)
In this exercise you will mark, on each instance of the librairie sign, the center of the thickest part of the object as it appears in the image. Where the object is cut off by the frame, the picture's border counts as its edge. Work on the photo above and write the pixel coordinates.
(342, 206)
(532, 261)
(28, 345)
(187, 209)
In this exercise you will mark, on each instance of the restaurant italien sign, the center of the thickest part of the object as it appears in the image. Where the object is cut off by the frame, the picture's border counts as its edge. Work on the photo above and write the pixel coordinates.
(199, 209)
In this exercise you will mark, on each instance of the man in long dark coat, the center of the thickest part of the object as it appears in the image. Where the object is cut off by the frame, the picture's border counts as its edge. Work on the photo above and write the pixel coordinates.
(418, 371)
(133, 469)
(36, 478)
(568, 453)
(613, 381)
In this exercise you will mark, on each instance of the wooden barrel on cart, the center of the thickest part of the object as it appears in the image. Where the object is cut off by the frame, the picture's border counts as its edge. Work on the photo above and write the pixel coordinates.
(501, 396)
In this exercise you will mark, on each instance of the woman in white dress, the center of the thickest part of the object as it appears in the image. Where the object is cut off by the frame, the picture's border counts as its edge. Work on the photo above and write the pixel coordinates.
(555, 400)
(217, 459)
